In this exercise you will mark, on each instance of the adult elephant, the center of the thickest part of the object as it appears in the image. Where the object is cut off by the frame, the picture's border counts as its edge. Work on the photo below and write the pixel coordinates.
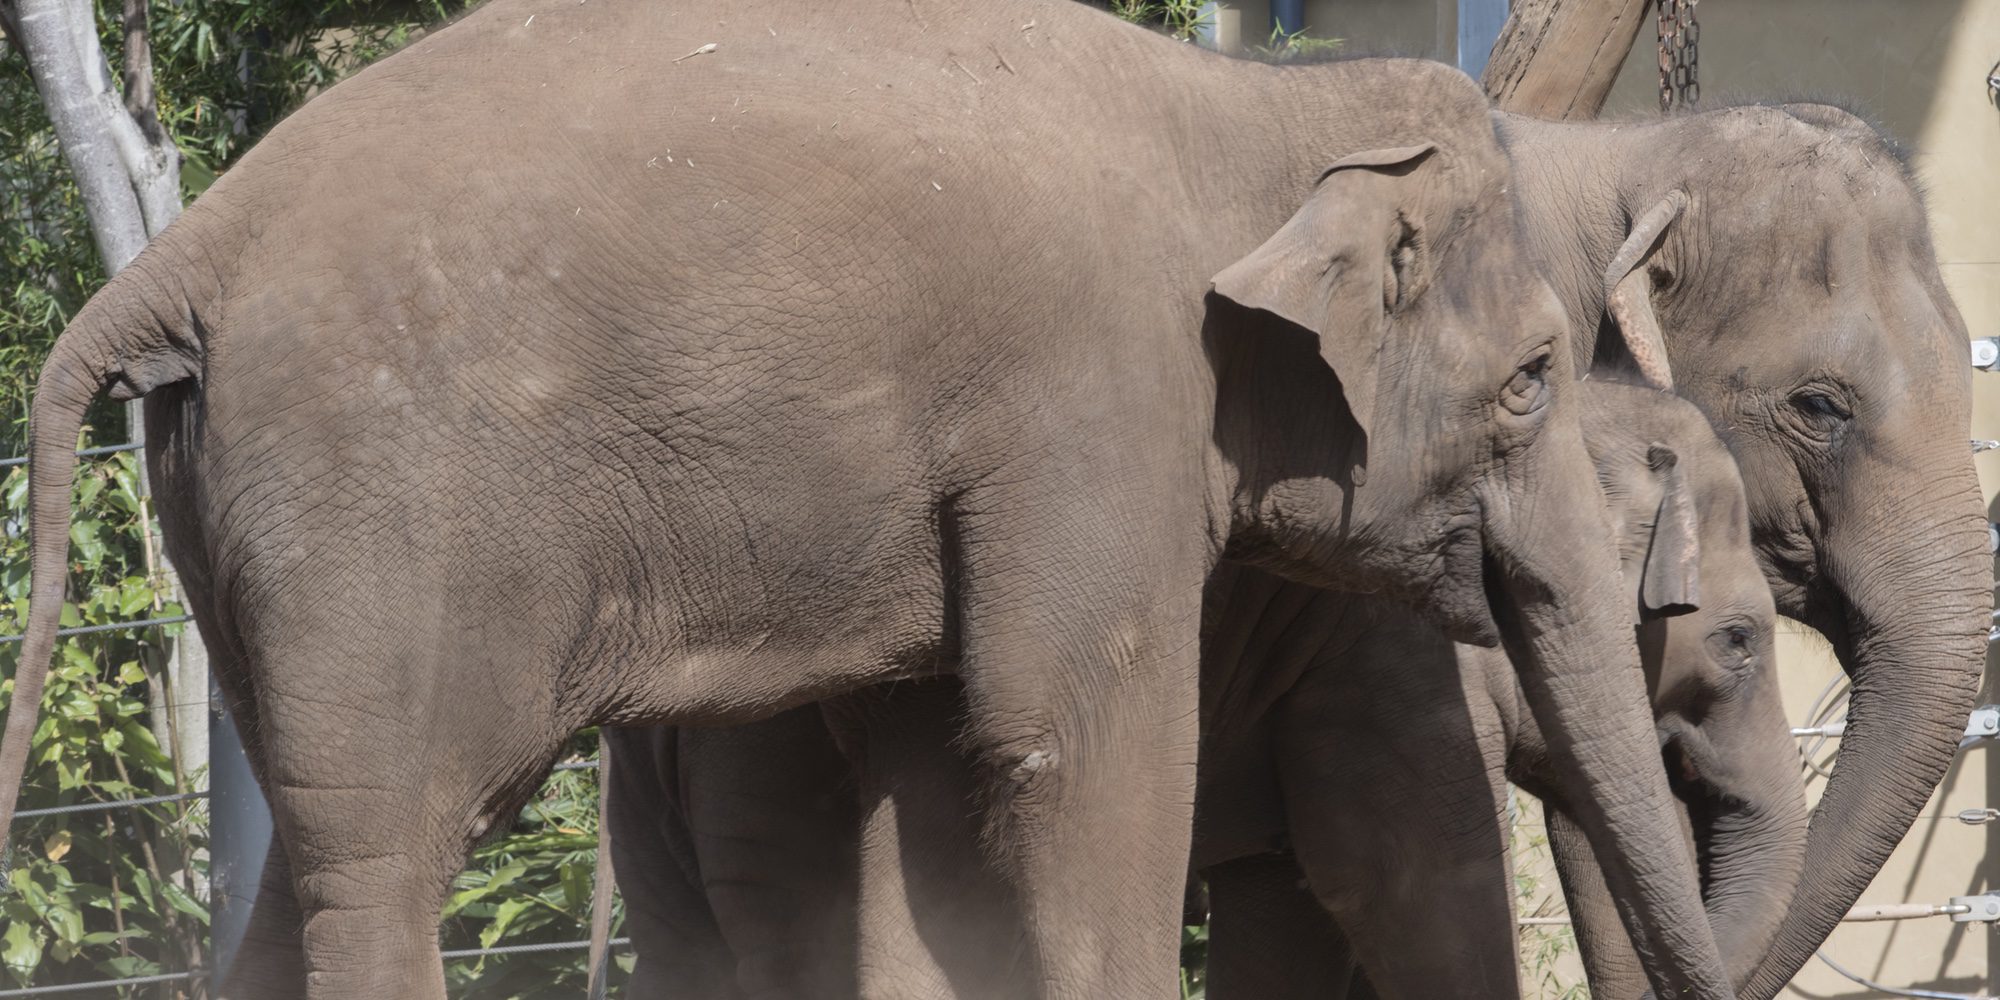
(1783, 256)
(630, 364)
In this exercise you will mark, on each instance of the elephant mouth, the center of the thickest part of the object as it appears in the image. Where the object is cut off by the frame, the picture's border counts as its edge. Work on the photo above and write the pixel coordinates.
(1468, 592)
(1698, 782)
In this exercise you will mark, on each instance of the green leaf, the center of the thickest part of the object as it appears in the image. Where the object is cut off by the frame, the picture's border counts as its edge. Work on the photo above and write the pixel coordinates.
(87, 489)
(503, 917)
(576, 886)
(181, 901)
(21, 949)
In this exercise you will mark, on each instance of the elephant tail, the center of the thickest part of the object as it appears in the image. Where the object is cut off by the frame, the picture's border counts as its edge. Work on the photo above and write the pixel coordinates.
(122, 341)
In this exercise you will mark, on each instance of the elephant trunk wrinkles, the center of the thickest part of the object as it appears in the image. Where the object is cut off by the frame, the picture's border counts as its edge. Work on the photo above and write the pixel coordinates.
(1566, 628)
(1752, 853)
(1751, 845)
(1914, 646)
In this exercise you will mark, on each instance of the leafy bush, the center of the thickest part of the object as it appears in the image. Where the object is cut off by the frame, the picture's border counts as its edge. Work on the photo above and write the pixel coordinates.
(108, 894)
(531, 886)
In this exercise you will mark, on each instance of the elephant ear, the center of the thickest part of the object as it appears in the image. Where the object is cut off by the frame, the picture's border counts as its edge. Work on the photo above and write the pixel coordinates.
(1671, 583)
(1628, 290)
(1320, 269)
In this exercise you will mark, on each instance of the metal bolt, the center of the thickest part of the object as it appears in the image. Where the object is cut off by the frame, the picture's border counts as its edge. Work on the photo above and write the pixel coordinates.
(1986, 353)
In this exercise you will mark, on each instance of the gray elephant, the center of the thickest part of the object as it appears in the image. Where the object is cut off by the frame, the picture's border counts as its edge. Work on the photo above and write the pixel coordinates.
(1784, 257)
(1780, 256)
(1339, 730)
(1392, 749)
(681, 367)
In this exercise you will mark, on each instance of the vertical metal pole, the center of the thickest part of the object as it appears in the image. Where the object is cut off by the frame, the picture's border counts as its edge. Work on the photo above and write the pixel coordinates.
(1479, 24)
(239, 835)
(605, 885)
(1288, 17)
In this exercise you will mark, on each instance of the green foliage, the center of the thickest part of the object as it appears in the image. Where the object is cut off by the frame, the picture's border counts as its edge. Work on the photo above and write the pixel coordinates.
(47, 264)
(100, 894)
(1194, 963)
(1297, 46)
(531, 886)
(1180, 18)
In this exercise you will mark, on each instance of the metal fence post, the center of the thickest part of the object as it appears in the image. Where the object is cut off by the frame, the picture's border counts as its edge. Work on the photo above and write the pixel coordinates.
(1479, 24)
(239, 835)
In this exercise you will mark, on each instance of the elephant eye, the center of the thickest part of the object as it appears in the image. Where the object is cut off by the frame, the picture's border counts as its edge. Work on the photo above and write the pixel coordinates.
(1821, 404)
(1528, 388)
(1733, 647)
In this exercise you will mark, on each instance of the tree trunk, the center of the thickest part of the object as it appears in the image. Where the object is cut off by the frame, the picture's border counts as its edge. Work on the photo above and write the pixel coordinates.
(1557, 59)
(126, 167)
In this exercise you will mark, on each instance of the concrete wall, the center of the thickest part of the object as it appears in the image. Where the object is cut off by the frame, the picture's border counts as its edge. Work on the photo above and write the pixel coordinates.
(1919, 67)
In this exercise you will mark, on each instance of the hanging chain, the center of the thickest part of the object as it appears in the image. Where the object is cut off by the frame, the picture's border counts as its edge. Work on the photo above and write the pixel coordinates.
(1680, 54)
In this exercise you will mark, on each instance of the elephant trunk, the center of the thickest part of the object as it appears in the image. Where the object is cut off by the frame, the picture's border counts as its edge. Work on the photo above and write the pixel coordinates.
(1751, 848)
(1907, 620)
(1752, 852)
(1570, 636)
(1609, 963)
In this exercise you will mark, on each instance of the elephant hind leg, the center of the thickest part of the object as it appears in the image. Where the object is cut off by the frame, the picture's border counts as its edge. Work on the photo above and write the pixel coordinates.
(379, 786)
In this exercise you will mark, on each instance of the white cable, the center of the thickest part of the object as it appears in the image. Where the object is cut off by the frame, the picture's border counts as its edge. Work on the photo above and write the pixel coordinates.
(1931, 994)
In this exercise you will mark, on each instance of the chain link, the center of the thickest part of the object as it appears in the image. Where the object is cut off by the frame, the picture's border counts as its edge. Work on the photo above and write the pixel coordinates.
(1680, 54)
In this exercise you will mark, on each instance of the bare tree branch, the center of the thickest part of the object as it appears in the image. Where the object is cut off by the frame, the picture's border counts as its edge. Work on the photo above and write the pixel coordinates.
(139, 68)
(1559, 58)
(130, 181)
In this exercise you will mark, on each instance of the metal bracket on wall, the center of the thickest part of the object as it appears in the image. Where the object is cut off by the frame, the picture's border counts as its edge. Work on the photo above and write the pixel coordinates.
(1986, 354)
(1981, 909)
(1983, 725)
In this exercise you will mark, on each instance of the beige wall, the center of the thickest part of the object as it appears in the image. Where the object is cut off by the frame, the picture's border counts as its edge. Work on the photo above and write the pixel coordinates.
(1919, 67)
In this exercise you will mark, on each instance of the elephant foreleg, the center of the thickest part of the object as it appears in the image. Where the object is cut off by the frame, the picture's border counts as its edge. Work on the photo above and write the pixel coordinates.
(679, 946)
(771, 812)
(1268, 938)
(1392, 802)
(1080, 667)
(935, 918)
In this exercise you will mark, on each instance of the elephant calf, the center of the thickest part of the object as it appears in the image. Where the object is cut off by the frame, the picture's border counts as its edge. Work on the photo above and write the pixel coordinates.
(1342, 735)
